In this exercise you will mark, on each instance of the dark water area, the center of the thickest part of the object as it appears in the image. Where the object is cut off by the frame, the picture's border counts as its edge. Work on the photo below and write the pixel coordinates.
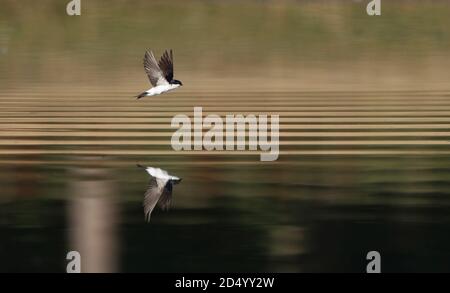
(364, 107)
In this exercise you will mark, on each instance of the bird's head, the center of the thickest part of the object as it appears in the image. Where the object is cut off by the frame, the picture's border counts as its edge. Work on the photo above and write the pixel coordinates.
(176, 82)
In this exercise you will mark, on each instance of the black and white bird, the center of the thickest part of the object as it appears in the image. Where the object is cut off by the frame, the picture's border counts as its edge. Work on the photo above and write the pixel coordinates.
(159, 190)
(160, 74)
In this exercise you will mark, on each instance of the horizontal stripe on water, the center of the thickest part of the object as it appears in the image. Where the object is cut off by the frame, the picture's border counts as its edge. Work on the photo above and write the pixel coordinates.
(224, 110)
(128, 134)
(166, 142)
(104, 152)
(55, 90)
(106, 126)
(133, 116)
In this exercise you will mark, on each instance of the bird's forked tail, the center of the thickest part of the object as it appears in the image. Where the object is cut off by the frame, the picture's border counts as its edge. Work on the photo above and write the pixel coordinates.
(140, 166)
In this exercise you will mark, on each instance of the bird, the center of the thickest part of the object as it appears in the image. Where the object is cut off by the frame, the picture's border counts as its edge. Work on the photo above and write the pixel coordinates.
(160, 74)
(159, 190)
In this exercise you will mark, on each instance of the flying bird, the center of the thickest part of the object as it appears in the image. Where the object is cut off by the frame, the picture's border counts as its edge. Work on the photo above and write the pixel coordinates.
(159, 190)
(160, 74)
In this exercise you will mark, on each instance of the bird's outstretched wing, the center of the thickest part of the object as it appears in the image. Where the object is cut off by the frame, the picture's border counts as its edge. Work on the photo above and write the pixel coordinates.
(152, 195)
(165, 201)
(166, 65)
(154, 72)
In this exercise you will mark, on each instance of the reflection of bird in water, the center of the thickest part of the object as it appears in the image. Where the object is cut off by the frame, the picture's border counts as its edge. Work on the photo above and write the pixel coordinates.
(160, 74)
(159, 190)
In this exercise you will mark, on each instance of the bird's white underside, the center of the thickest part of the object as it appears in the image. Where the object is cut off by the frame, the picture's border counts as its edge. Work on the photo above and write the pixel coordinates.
(161, 174)
(157, 90)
